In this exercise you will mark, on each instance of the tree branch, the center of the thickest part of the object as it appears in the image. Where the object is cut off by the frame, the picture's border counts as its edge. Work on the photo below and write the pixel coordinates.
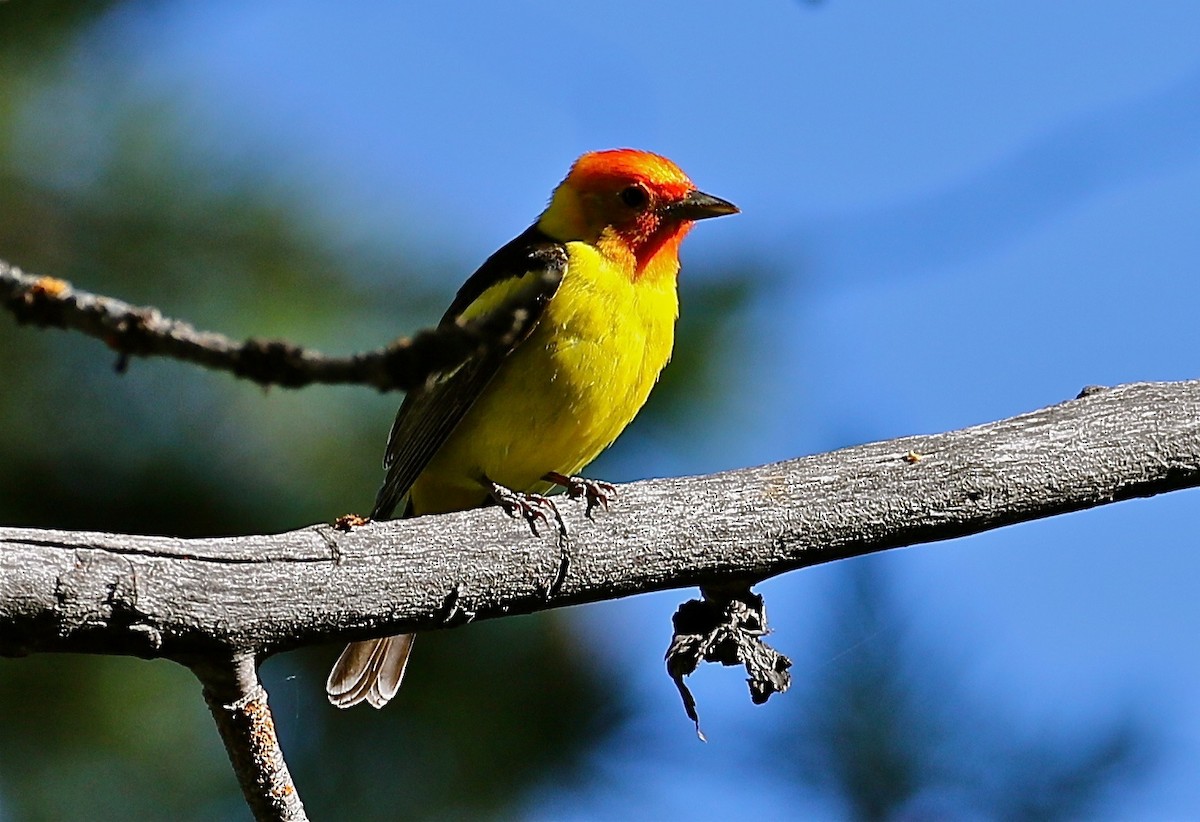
(144, 332)
(238, 703)
(158, 596)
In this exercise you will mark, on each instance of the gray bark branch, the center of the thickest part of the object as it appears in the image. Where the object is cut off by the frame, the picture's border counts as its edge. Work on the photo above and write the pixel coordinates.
(177, 598)
(238, 703)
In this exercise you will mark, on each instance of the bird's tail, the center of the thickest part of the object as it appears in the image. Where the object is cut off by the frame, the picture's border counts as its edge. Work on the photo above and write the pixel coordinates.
(369, 671)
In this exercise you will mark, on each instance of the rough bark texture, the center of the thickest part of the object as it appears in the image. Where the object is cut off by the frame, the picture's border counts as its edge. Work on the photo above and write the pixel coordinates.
(238, 703)
(159, 596)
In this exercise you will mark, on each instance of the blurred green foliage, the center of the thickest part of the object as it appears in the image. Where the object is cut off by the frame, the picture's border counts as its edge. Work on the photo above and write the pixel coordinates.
(890, 734)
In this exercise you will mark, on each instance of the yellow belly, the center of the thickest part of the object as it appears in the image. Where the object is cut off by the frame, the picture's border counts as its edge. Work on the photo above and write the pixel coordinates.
(566, 393)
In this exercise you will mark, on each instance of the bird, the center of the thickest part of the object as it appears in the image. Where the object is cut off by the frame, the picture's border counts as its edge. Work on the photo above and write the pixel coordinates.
(598, 273)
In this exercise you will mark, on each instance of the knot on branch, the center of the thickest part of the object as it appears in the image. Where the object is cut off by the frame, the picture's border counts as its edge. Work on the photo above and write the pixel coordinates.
(272, 362)
(133, 335)
(40, 302)
(726, 626)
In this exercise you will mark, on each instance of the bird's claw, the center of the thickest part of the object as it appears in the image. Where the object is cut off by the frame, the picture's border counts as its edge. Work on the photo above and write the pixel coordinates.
(528, 506)
(597, 493)
(533, 507)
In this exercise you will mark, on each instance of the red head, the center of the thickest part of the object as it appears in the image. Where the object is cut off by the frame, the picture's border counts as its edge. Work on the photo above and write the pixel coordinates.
(634, 206)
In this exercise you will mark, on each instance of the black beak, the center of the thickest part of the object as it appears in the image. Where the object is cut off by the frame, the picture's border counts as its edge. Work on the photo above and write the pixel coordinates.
(699, 206)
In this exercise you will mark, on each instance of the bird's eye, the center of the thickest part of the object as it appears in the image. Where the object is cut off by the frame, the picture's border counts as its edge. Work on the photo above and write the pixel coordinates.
(635, 196)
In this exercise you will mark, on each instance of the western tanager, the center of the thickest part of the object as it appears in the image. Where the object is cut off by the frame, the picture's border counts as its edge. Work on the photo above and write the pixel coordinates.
(510, 426)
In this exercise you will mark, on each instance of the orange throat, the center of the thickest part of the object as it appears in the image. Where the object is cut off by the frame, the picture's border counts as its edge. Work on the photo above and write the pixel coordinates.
(650, 256)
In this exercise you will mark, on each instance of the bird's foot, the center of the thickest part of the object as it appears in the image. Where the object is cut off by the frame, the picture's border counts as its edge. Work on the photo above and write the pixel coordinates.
(533, 507)
(595, 492)
(530, 507)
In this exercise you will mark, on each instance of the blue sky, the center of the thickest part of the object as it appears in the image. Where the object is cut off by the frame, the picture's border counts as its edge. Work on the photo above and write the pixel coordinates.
(968, 211)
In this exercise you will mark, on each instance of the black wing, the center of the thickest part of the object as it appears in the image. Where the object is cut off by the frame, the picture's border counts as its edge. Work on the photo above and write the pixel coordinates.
(429, 414)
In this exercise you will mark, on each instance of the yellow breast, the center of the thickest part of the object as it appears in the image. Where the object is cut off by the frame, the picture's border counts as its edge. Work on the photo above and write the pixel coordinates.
(567, 392)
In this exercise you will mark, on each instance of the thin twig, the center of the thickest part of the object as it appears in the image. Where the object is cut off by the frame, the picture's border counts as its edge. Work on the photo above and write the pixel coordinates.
(142, 331)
